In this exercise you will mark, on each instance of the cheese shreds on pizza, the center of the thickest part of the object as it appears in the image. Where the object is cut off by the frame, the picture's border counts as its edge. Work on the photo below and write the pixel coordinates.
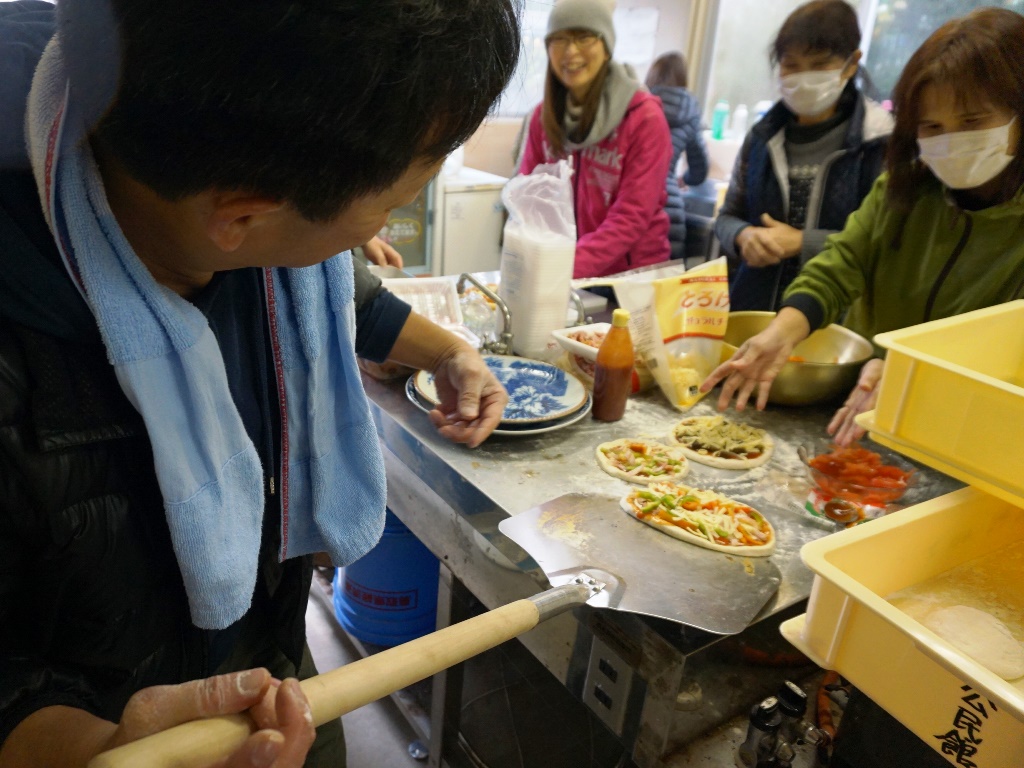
(718, 442)
(641, 461)
(705, 518)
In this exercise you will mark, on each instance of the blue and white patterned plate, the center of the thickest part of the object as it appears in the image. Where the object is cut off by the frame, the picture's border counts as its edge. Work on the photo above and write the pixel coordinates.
(536, 391)
(506, 429)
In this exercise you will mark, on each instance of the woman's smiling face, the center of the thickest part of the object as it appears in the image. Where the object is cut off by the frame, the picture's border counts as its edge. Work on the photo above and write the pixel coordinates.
(576, 57)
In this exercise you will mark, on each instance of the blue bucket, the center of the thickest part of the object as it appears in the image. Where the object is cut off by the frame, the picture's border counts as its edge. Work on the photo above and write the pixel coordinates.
(389, 595)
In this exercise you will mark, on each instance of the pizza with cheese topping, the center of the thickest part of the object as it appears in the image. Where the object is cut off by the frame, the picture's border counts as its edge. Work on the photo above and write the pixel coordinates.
(641, 461)
(705, 518)
(718, 442)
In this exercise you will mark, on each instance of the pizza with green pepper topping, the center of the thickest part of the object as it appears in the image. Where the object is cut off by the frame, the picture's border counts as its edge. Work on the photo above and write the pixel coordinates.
(705, 518)
(641, 461)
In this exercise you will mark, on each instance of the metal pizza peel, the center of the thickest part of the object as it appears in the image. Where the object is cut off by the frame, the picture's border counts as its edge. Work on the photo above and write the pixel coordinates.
(644, 571)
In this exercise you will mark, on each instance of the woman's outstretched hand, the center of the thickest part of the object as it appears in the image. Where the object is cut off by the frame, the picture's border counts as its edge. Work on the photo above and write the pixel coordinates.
(862, 398)
(758, 361)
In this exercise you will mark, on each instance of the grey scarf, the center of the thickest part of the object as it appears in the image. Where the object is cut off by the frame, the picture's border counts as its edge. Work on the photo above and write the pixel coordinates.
(618, 91)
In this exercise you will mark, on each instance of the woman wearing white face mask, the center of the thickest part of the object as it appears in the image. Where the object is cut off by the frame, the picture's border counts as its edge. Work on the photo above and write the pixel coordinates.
(942, 233)
(809, 162)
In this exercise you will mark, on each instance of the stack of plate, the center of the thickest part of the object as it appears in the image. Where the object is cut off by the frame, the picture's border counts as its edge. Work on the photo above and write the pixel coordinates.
(542, 398)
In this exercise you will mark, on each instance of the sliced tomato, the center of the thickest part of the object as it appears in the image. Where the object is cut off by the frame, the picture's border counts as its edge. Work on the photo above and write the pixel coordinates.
(827, 465)
(853, 472)
(888, 482)
(859, 469)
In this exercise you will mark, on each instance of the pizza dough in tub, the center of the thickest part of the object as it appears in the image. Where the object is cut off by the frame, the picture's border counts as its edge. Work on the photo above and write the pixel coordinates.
(981, 636)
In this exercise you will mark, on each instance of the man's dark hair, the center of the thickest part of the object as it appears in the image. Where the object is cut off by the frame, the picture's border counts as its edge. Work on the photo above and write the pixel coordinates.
(313, 102)
(820, 25)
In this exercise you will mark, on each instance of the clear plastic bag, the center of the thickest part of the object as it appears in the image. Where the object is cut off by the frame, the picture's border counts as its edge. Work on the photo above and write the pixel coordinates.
(537, 255)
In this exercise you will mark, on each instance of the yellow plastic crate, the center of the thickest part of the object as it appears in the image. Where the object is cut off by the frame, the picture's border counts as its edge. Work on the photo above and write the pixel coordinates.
(965, 712)
(952, 395)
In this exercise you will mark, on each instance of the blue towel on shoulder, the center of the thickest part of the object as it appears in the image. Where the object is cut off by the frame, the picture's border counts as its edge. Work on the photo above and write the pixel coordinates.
(169, 365)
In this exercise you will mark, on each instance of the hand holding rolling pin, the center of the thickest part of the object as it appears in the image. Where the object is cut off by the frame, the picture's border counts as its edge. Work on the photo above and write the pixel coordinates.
(279, 709)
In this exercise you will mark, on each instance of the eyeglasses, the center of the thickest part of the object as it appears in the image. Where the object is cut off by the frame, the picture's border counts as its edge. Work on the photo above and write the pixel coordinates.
(560, 42)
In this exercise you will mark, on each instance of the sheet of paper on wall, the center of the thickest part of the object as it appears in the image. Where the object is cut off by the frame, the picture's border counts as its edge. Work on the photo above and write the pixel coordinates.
(636, 30)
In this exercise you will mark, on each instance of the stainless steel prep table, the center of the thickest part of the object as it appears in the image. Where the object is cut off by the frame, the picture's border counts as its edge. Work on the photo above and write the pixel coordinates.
(453, 498)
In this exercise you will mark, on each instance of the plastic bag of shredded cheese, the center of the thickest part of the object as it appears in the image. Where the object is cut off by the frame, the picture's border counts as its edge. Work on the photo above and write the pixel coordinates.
(677, 324)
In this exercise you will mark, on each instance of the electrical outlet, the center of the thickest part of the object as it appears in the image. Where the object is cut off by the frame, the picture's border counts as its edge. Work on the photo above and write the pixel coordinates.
(607, 684)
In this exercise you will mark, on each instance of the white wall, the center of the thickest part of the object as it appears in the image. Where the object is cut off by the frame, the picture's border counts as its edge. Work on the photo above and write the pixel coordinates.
(673, 24)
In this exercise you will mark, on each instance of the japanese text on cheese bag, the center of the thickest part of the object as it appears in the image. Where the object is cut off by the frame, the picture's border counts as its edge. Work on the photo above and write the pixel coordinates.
(678, 325)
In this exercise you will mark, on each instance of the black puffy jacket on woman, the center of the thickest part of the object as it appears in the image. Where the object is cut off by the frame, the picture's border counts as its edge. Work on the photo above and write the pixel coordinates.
(667, 81)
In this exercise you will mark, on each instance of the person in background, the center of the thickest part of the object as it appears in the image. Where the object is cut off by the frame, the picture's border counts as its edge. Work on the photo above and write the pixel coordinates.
(941, 233)
(808, 163)
(380, 253)
(182, 420)
(666, 79)
(616, 136)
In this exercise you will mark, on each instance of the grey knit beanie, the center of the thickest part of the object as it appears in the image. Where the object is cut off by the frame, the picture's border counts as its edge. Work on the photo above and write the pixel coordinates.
(592, 15)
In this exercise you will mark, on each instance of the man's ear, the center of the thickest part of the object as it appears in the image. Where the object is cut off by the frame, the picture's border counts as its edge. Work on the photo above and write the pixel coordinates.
(233, 216)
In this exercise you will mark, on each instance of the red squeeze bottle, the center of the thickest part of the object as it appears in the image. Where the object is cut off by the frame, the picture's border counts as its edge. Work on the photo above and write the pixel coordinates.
(613, 375)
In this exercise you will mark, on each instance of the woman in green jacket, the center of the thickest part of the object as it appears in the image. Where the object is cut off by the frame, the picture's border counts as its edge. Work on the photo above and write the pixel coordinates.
(940, 234)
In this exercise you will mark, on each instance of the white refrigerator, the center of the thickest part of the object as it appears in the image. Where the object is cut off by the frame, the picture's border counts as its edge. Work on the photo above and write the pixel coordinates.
(468, 222)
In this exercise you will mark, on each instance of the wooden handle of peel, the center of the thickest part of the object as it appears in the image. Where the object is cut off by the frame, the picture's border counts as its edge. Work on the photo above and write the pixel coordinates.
(334, 693)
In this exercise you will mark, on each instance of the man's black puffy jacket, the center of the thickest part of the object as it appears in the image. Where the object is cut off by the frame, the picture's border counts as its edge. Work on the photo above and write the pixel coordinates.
(92, 603)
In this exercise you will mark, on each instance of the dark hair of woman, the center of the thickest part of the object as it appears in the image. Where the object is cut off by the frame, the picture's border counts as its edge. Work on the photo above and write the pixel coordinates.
(668, 69)
(820, 25)
(553, 113)
(981, 58)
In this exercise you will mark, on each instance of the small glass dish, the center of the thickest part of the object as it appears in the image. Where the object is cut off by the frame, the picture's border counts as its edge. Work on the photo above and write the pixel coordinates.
(857, 474)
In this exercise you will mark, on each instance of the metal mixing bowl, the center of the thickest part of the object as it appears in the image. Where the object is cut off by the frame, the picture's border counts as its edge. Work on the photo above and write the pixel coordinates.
(833, 355)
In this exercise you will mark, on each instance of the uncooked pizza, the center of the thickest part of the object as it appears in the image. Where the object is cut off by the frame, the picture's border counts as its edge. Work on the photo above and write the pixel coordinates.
(718, 442)
(642, 461)
(705, 518)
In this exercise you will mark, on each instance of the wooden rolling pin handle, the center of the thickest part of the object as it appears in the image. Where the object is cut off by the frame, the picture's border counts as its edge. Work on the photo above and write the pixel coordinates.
(335, 693)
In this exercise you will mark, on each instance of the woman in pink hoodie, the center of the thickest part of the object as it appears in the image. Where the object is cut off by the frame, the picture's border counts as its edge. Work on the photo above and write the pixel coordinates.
(618, 139)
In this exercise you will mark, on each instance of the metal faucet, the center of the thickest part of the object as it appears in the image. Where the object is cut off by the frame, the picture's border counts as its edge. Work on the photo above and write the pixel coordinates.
(502, 346)
(581, 311)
